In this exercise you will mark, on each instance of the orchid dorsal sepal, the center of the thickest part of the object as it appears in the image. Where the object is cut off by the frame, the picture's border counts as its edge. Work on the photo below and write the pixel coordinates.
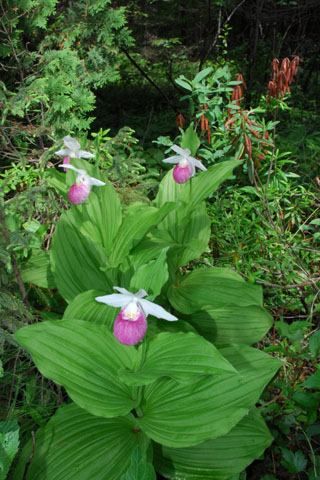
(73, 149)
(125, 298)
(83, 176)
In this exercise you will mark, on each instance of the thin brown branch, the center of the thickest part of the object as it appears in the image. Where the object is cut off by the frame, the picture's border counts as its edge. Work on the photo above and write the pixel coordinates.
(284, 287)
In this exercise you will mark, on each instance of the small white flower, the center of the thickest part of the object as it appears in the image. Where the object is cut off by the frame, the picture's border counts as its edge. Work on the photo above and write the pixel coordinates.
(183, 159)
(72, 149)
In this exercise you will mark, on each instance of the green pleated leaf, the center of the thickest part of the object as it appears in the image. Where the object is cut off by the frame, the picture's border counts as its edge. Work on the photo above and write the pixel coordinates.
(217, 459)
(85, 307)
(156, 326)
(139, 469)
(181, 356)
(151, 247)
(75, 445)
(179, 415)
(139, 219)
(214, 287)
(9, 445)
(85, 359)
(206, 183)
(195, 234)
(37, 270)
(151, 276)
(190, 140)
(232, 324)
(99, 217)
(76, 260)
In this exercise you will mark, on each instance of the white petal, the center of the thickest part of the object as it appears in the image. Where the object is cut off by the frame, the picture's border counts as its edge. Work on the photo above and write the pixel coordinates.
(142, 293)
(184, 152)
(197, 163)
(115, 299)
(174, 159)
(63, 153)
(68, 165)
(123, 290)
(193, 170)
(71, 143)
(151, 308)
(96, 182)
(84, 154)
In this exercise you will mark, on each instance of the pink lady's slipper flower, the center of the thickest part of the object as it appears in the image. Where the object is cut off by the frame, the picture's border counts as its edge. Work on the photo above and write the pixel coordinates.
(72, 150)
(185, 167)
(80, 190)
(130, 325)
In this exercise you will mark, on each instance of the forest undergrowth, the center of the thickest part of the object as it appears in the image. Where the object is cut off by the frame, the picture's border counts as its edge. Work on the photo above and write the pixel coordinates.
(249, 223)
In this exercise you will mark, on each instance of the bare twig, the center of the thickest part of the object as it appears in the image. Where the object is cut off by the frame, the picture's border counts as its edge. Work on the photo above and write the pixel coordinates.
(219, 31)
(146, 76)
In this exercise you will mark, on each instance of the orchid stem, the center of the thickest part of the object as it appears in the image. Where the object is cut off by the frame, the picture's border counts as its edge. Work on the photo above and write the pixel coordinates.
(137, 391)
(143, 353)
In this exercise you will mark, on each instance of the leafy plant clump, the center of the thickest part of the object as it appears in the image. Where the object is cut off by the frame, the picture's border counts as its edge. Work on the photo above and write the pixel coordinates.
(183, 398)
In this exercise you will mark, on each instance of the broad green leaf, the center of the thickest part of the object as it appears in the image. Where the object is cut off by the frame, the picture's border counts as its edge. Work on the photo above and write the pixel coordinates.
(151, 247)
(314, 344)
(196, 231)
(201, 75)
(75, 445)
(37, 270)
(139, 468)
(85, 307)
(190, 140)
(9, 445)
(136, 223)
(206, 183)
(181, 356)
(156, 326)
(183, 83)
(179, 415)
(85, 359)
(216, 459)
(99, 216)
(313, 381)
(151, 276)
(232, 324)
(76, 260)
(215, 287)
(293, 461)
